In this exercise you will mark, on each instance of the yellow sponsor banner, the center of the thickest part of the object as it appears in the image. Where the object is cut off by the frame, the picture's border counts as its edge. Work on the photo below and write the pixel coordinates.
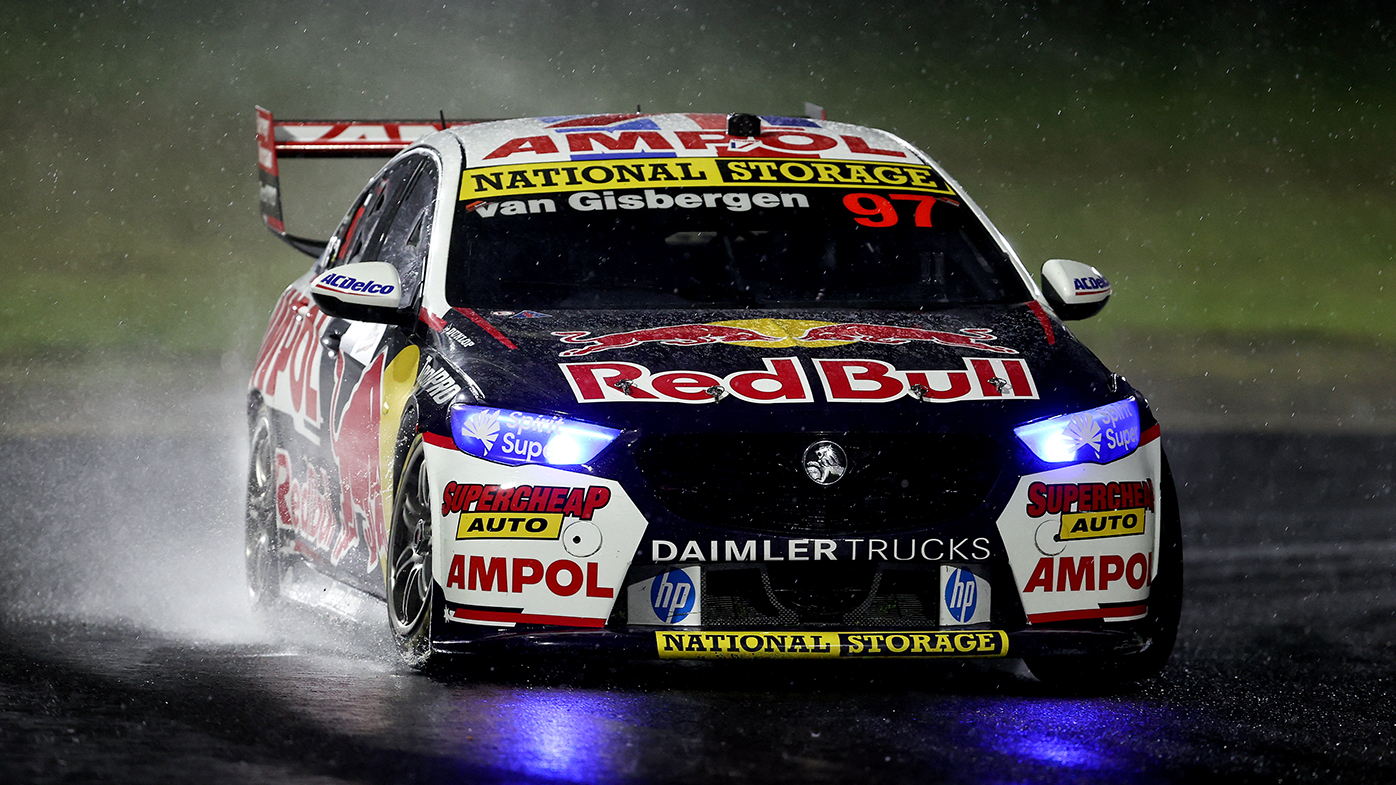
(566, 176)
(509, 526)
(829, 645)
(1094, 525)
(631, 173)
(832, 174)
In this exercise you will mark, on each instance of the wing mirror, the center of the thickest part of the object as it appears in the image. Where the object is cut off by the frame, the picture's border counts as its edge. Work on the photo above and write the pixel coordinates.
(363, 292)
(1074, 290)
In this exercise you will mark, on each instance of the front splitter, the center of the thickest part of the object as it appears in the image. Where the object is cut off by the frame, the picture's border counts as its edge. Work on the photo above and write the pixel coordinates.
(711, 644)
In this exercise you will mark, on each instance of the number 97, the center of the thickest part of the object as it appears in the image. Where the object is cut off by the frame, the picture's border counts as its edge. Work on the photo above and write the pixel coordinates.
(874, 210)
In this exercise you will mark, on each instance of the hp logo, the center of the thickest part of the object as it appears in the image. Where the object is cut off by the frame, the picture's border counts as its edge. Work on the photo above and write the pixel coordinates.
(672, 595)
(961, 595)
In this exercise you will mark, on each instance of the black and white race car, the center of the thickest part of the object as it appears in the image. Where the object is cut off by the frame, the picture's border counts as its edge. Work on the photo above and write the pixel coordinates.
(698, 386)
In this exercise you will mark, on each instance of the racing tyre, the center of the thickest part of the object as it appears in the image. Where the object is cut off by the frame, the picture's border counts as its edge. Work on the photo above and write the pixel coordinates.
(411, 588)
(262, 544)
(1159, 628)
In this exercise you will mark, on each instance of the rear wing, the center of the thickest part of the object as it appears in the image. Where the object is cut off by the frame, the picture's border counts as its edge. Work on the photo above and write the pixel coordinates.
(327, 139)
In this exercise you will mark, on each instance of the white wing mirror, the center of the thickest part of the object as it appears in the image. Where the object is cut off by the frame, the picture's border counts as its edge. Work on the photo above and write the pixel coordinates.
(1074, 290)
(364, 292)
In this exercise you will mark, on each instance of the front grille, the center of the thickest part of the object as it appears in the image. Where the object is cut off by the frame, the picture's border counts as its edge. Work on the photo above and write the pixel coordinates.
(757, 482)
(861, 595)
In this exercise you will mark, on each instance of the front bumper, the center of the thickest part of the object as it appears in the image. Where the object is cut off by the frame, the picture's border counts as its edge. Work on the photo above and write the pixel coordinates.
(637, 643)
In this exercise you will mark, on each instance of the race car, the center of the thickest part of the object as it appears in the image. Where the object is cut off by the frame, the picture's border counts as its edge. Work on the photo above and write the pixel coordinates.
(698, 386)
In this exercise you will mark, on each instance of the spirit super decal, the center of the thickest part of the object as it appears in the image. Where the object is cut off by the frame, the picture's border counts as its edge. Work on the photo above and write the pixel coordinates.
(784, 381)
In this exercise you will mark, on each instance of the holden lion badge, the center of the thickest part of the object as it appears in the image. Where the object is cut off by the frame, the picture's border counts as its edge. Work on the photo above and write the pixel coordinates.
(825, 462)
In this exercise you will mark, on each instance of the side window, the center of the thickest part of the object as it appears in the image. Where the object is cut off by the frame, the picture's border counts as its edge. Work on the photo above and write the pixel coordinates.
(407, 238)
(364, 226)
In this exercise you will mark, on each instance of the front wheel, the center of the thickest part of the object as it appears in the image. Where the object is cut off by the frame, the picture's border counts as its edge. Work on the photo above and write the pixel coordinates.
(1159, 628)
(411, 587)
(262, 541)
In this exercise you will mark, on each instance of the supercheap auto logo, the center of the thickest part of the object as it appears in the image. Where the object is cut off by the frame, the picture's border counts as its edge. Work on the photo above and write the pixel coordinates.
(778, 333)
(519, 512)
(1093, 510)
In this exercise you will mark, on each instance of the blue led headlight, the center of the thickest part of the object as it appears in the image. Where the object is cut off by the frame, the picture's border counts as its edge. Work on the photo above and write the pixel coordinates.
(511, 437)
(1098, 435)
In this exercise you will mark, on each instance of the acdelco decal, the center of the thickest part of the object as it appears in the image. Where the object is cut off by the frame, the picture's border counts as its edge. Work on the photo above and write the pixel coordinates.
(1088, 573)
(1058, 498)
(1090, 285)
(829, 645)
(542, 509)
(1094, 525)
(562, 577)
(345, 283)
(567, 176)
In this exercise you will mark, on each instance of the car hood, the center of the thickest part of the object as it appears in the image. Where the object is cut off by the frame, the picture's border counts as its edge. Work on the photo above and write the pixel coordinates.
(542, 362)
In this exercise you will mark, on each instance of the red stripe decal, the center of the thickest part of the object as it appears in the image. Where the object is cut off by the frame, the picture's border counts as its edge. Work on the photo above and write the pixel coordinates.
(274, 225)
(437, 440)
(526, 618)
(432, 320)
(1149, 435)
(1098, 613)
(1041, 314)
(486, 326)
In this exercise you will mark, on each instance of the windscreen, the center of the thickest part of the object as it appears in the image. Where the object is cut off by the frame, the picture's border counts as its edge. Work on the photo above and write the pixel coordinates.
(614, 235)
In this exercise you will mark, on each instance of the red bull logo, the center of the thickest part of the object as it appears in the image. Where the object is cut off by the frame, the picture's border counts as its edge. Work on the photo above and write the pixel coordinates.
(776, 333)
(784, 380)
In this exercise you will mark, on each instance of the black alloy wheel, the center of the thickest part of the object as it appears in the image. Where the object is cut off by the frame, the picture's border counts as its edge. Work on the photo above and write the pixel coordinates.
(411, 589)
(262, 544)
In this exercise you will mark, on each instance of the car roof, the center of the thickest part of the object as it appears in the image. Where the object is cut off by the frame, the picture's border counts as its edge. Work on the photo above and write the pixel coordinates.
(688, 135)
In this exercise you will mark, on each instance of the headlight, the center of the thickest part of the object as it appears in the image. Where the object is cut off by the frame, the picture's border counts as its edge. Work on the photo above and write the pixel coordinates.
(1097, 435)
(511, 437)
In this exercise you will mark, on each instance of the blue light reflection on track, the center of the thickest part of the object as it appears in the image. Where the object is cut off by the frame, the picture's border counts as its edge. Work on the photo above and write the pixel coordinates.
(1100, 737)
(565, 734)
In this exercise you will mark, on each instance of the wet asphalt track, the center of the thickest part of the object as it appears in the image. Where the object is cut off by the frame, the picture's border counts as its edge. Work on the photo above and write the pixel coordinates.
(127, 655)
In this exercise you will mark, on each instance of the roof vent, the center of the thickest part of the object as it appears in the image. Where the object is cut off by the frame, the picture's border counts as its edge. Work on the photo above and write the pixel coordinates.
(743, 125)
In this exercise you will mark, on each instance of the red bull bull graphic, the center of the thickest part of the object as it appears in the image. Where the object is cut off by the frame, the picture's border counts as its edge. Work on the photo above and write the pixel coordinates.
(676, 335)
(784, 381)
(775, 333)
(968, 338)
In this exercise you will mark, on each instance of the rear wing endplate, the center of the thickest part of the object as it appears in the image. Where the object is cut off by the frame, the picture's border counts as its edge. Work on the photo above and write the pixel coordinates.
(327, 139)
